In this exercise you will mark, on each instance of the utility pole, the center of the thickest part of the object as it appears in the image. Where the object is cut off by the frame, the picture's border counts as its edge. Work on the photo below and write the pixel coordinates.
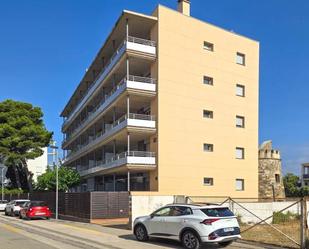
(55, 164)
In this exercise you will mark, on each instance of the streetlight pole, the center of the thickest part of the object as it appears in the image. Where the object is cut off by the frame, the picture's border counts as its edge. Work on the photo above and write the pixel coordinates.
(2, 186)
(55, 158)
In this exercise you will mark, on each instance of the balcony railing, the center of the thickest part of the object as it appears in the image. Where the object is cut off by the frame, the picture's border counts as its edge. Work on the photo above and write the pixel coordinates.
(112, 61)
(131, 157)
(111, 96)
(133, 119)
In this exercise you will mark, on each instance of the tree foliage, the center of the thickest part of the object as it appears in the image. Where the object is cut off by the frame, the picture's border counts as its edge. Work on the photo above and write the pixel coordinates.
(68, 178)
(22, 137)
(292, 186)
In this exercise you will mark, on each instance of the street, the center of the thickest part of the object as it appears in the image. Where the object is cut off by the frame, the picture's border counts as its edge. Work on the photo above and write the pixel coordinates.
(43, 234)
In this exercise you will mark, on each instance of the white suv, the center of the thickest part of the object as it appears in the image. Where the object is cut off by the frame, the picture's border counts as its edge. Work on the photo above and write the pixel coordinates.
(13, 207)
(192, 224)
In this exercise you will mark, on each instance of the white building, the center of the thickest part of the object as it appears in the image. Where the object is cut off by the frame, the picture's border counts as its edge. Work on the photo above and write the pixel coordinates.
(38, 166)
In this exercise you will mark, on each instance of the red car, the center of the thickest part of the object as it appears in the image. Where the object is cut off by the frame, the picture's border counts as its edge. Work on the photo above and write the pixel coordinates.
(34, 209)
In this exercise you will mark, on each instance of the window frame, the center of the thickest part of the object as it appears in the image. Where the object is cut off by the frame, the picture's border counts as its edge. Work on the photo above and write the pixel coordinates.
(243, 184)
(277, 178)
(211, 181)
(242, 118)
(243, 153)
(210, 146)
(243, 56)
(210, 79)
(211, 116)
(243, 90)
(208, 46)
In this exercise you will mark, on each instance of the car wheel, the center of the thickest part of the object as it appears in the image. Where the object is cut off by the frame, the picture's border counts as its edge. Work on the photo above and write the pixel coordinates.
(190, 240)
(47, 218)
(140, 233)
(225, 244)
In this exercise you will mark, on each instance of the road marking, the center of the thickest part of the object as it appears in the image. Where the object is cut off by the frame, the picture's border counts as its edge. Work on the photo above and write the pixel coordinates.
(82, 229)
(11, 228)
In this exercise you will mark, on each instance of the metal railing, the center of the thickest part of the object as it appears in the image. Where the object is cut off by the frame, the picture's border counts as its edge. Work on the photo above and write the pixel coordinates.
(118, 50)
(141, 41)
(142, 79)
(107, 162)
(107, 97)
(113, 126)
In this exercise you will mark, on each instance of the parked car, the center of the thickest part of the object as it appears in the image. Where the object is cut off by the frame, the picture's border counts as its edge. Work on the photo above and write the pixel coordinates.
(191, 224)
(13, 207)
(34, 209)
(3, 204)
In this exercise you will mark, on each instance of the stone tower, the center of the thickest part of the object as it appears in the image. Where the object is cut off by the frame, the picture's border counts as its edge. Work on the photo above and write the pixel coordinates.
(270, 172)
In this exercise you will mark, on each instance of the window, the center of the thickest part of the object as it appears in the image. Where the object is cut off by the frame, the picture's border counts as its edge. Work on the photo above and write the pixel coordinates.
(217, 212)
(240, 184)
(163, 212)
(240, 121)
(208, 181)
(208, 147)
(240, 90)
(277, 177)
(240, 153)
(180, 211)
(208, 114)
(208, 80)
(240, 59)
(208, 46)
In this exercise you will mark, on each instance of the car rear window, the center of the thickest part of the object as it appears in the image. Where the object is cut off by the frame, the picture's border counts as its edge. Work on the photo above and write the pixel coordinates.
(217, 212)
(38, 204)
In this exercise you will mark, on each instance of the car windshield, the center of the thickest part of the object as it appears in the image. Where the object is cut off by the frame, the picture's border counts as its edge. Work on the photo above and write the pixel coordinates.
(19, 203)
(38, 204)
(217, 212)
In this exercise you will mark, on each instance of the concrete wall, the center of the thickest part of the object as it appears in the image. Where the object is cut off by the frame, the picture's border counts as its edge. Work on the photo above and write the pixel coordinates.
(145, 204)
(263, 210)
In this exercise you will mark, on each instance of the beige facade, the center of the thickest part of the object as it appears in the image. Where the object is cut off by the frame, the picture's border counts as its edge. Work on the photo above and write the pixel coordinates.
(200, 137)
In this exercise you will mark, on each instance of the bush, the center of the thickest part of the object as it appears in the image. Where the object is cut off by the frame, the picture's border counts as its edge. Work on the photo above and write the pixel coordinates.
(13, 191)
(279, 217)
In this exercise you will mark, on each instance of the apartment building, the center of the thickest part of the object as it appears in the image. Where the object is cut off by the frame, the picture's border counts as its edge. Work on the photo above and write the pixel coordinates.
(169, 105)
(38, 165)
(304, 174)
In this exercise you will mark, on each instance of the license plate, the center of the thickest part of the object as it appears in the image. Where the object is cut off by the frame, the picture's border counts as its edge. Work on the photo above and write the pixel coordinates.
(39, 213)
(228, 229)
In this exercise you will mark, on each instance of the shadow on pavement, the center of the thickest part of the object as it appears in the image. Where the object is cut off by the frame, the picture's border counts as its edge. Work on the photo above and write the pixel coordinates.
(167, 242)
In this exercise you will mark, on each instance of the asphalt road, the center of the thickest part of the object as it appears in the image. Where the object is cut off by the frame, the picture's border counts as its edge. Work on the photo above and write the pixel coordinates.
(43, 234)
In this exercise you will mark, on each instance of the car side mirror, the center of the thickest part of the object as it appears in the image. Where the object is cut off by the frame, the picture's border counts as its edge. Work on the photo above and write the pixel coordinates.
(152, 215)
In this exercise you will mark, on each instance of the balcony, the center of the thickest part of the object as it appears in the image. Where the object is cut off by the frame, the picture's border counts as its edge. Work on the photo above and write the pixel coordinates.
(132, 120)
(131, 44)
(306, 176)
(143, 159)
(134, 83)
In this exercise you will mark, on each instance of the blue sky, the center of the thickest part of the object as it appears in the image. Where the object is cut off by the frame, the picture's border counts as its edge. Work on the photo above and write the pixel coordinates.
(45, 47)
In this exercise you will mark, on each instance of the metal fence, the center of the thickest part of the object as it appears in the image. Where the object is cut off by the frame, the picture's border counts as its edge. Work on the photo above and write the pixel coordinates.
(85, 206)
(265, 221)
